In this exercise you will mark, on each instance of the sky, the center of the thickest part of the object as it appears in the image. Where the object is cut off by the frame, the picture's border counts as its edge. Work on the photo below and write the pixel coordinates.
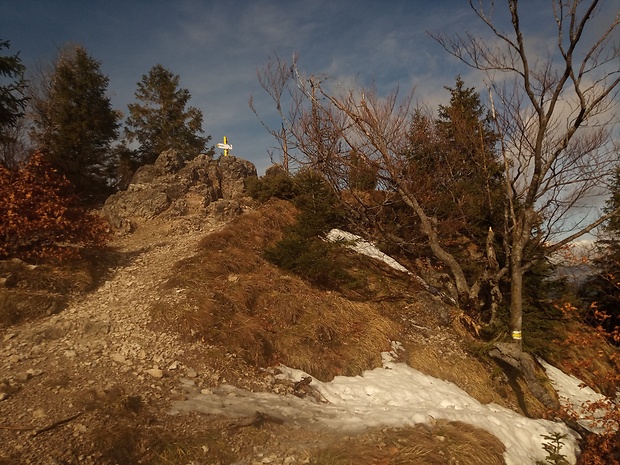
(216, 48)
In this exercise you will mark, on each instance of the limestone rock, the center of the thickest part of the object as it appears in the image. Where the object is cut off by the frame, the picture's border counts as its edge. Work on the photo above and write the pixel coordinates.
(174, 187)
(223, 209)
(155, 373)
(170, 161)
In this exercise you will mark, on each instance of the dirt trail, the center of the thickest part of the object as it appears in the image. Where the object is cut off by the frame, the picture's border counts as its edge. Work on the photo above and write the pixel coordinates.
(65, 378)
(96, 383)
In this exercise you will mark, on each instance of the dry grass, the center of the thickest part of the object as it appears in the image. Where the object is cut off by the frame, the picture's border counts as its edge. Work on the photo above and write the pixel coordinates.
(485, 382)
(28, 292)
(444, 443)
(237, 300)
(18, 306)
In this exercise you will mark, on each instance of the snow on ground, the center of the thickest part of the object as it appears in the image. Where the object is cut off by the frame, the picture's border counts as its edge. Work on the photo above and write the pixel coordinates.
(398, 395)
(573, 394)
(395, 395)
(364, 247)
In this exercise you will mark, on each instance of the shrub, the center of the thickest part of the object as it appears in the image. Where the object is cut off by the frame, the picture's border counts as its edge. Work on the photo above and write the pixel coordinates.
(40, 217)
(310, 258)
(302, 250)
(275, 183)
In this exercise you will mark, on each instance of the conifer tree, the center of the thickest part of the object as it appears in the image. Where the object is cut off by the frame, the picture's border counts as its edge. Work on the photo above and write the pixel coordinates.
(12, 102)
(161, 120)
(603, 289)
(75, 123)
(455, 167)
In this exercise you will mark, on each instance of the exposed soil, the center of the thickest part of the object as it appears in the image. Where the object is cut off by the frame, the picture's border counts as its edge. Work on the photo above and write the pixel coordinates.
(94, 383)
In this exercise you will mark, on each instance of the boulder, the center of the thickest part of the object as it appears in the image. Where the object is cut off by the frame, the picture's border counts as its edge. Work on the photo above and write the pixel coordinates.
(144, 175)
(177, 187)
(170, 161)
(224, 209)
(234, 172)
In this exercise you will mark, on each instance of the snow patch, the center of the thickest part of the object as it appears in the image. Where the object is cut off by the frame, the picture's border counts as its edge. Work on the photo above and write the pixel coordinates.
(395, 395)
(364, 247)
(573, 394)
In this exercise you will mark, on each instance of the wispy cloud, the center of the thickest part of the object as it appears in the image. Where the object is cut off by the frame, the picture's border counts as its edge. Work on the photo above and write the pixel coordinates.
(216, 47)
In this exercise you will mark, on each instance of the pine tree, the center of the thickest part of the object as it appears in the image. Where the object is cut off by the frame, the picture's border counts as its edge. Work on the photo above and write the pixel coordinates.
(454, 164)
(603, 289)
(12, 102)
(75, 123)
(362, 176)
(161, 121)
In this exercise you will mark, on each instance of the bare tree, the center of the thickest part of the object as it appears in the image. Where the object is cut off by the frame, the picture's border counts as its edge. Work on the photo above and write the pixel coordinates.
(15, 148)
(555, 115)
(275, 78)
(333, 130)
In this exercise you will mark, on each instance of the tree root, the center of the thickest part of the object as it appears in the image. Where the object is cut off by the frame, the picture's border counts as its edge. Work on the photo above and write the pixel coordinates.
(533, 374)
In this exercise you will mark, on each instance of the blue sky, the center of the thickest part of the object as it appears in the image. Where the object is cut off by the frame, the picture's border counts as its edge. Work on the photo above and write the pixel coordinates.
(216, 46)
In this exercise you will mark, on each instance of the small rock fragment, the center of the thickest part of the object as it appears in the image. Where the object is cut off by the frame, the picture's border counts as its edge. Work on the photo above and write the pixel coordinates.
(155, 372)
(118, 358)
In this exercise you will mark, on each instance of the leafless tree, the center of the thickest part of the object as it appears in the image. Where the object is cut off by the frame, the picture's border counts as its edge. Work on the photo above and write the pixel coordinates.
(556, 116)
(275, 78)
(15, 149)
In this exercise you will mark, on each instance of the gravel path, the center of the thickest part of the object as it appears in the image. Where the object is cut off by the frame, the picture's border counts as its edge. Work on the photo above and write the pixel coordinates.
(62, 377)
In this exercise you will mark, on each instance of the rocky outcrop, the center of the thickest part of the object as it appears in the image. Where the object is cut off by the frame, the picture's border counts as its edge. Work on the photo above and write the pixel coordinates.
(173, 187)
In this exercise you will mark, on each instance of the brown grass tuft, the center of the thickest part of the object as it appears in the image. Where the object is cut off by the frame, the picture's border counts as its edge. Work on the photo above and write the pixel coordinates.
(17, 306)
(28, 292)
(238, 300)
(446, 442)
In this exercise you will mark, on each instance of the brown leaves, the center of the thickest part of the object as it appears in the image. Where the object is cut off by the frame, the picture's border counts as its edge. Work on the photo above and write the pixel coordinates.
(601, 448)
(40, 217)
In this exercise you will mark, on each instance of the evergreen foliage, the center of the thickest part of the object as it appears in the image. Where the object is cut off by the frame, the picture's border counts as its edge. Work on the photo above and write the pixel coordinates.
(602, 291)
(12, 95)
(75, 125)
(454, 166)
(12, 98)
(362, 175)
(302, 250)
(161, 121)
(275, 183)
(453, 169)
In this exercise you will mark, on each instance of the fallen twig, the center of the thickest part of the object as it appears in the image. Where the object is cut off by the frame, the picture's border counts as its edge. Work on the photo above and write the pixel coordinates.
(57, 423)
(16, 428)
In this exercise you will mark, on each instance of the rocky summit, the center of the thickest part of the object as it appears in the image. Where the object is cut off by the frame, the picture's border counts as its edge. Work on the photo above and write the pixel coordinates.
(172, 187)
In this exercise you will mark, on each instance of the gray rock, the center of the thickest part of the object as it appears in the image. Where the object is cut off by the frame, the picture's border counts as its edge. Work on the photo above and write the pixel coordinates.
(144, 175)
(168, 162)
(177, 188)
(223, 209)
(234, 172)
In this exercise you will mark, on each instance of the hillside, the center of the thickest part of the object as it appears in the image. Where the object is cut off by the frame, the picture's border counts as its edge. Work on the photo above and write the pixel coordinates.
(189, 309)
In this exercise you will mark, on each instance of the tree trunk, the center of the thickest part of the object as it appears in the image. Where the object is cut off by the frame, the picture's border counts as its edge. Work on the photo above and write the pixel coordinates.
(458, 275)
(516, 293)
(533, 374)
